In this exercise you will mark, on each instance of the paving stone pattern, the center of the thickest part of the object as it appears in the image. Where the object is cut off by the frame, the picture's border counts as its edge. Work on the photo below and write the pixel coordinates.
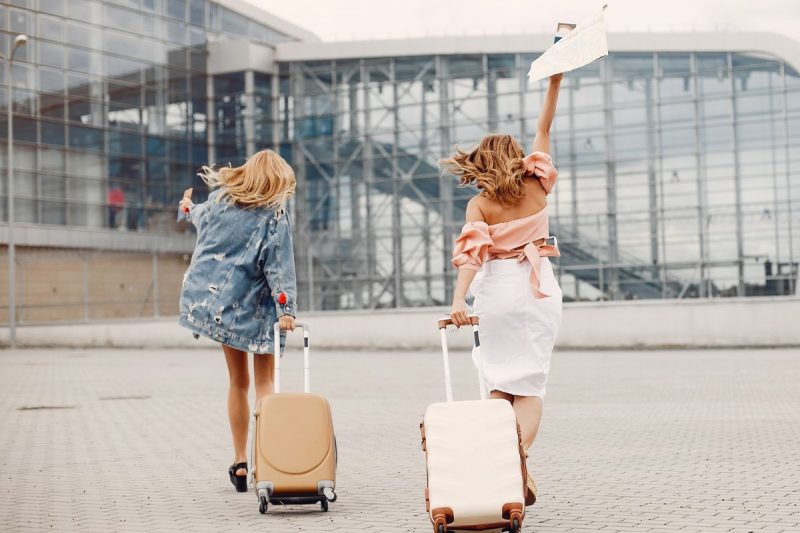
(127, 440)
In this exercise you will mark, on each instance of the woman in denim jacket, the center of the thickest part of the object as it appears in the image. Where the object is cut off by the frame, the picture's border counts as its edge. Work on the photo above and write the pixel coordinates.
(242, 278)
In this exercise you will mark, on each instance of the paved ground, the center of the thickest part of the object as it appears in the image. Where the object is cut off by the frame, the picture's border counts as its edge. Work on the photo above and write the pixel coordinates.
(631, 441)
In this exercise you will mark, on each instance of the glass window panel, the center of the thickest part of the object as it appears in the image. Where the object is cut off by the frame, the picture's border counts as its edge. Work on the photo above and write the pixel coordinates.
(52, 105)
(229, 83)
(124, 69)
(212, 16)
(79, 59)
(176, 32)
(199, 152)
(156, 6)
(718, 137)
(676, 79)
(716, 109)
(675, 140)
(53, 133)
(677, 112)
(86, 137)
(754, 72)
(50, 28)
(51, 54)
(177, 9)
(631, 74)
(25, 102)
(124, 143)
(635, 116)
(25, 129)
(749, 104)
(124, 95)
(119, 43)
(123, 19)
(156, 146)
(589, 121)
(55, 7)
(78, 85)
(20, 22)
(197, 62)
(53, 187)
(712, 71)
(79, 9)
(51, 160)
(51, 80)
(233, 23)
(197, 12)
(4, 39)
(81, 34)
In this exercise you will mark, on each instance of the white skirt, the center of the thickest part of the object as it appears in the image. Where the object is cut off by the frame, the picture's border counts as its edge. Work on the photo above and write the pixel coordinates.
(517, 330)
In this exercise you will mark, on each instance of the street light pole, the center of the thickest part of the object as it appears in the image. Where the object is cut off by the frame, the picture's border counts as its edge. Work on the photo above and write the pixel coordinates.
(20, 40)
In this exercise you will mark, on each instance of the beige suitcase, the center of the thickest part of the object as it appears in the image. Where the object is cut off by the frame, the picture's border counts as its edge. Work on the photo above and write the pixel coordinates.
(293, 452)
(474, 457)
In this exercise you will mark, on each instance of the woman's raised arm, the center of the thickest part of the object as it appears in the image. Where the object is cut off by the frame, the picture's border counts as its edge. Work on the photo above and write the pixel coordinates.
(541, 143)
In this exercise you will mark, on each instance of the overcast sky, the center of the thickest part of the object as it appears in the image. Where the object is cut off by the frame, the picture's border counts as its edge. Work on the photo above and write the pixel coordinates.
(381, 19)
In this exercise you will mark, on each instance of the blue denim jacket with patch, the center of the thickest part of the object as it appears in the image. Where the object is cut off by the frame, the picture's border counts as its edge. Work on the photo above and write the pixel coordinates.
(242, 263)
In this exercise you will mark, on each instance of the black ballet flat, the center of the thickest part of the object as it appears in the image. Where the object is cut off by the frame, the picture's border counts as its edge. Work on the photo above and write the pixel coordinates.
(240, 482)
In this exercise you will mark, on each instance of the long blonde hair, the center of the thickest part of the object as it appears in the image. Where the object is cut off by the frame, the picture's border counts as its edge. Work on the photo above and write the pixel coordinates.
(495, 167)
(265, 179)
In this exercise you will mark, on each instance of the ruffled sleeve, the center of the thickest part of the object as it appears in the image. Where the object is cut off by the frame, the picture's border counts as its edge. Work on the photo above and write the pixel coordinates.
(540, 164)
(472, 246)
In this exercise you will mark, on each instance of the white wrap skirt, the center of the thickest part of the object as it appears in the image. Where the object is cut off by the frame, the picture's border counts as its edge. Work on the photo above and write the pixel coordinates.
(517, 330)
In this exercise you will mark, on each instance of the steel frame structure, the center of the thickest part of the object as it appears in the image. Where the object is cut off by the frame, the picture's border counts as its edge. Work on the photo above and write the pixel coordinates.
(376, 218)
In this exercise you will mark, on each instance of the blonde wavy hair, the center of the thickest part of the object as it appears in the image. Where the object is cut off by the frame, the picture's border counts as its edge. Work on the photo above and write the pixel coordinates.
(495, 166)
(265, 179)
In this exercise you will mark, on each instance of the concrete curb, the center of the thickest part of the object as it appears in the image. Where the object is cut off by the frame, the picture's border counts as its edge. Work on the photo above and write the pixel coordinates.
(656, 324)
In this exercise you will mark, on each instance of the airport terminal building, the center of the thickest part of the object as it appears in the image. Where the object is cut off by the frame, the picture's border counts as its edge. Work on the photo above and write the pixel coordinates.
(679, 173)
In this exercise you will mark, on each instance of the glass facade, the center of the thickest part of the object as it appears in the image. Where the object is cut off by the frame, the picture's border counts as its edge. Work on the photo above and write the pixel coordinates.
(111, 107)
(678, 171)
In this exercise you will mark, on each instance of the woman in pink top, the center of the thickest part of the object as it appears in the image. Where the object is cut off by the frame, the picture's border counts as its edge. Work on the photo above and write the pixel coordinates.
(502, 257)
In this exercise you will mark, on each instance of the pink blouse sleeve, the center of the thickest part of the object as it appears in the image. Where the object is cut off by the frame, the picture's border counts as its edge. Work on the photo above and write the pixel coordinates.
(540, 164)
(472, 246)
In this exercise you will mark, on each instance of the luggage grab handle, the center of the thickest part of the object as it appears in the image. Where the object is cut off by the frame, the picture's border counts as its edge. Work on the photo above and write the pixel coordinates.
(448, 383)
(306, 367)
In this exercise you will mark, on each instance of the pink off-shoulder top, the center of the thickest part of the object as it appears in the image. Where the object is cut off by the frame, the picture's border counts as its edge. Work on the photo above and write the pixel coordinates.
(480, 242)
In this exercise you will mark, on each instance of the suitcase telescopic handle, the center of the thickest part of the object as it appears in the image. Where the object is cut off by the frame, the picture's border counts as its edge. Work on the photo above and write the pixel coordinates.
(306, 367)
(448, 384)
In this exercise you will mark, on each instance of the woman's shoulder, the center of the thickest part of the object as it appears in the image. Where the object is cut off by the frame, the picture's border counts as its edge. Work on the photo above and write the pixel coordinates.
(477, 208)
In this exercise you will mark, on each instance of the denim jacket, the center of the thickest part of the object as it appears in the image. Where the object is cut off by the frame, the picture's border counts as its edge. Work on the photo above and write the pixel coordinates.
(242, 276)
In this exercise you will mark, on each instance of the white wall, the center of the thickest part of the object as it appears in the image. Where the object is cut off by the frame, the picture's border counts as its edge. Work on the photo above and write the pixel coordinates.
(650, 324)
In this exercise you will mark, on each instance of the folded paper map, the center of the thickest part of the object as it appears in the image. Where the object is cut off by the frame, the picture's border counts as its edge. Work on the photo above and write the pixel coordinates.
(586, 43)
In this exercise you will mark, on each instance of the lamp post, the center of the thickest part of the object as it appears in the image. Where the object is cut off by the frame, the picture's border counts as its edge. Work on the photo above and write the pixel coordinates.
(20, 40)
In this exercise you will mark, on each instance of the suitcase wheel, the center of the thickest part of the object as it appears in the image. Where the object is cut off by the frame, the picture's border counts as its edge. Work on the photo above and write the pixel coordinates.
(329, 494)
(262, 505)
(441, 528)
(324, 504)
(515, 528)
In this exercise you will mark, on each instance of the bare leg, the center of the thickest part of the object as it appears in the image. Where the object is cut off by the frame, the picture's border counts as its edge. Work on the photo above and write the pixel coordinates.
(529, 414)
(500, 395)
(238, 410)
(264, 374)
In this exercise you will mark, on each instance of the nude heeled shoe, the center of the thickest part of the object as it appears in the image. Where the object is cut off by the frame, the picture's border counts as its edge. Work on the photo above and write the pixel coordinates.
(530, 487)
(530, 493)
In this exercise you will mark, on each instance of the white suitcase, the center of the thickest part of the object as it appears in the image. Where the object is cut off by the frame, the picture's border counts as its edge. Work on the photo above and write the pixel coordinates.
(476, 465)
